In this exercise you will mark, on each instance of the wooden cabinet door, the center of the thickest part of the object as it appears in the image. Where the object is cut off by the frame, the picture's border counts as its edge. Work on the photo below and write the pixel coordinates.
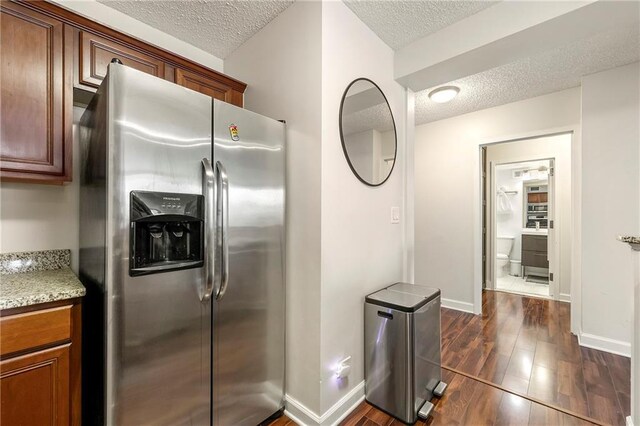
(208, 86)
(34, 388)
(95, 54)
(35, 78)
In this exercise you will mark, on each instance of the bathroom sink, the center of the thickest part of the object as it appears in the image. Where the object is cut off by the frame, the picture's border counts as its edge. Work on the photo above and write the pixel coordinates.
(533, 231)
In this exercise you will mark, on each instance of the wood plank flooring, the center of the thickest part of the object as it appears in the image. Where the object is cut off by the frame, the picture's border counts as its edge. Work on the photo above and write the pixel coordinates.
(471, 402)
(524, 344)
(534, 369)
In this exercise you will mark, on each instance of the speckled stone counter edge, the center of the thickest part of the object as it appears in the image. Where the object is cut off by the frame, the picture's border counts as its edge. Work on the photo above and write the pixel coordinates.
(32, 288)
(32, 261)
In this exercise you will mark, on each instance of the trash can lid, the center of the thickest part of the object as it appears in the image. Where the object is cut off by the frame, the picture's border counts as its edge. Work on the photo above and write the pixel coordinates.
(428, 293)
(399, 301)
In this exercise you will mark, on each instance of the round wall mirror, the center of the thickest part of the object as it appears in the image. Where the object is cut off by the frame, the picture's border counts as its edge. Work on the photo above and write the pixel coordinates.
(368, 132)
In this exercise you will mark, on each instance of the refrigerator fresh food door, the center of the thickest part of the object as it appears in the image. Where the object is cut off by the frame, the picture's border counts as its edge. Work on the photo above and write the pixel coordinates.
(159, 325)
(249, 327)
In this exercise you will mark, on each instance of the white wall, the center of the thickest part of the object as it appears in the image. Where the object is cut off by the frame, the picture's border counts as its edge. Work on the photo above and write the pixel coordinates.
(283, 73)
(447, 186)
(361, 250)
(121, 22)
(558, 147)
(610, 178)
(42, 217)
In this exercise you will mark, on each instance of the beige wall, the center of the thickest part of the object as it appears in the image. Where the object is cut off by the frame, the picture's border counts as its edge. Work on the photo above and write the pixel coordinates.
(282, 66)
(610, 179)
(447, 186)
(361, 250)
(42, 217)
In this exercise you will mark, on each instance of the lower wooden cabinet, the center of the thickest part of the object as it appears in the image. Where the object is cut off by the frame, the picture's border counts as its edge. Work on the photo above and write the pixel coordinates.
(34, 388)
(40, 365)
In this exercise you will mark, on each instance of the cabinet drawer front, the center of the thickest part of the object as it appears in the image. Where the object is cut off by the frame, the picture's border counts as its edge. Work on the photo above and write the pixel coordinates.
(32, 81)
(96, 54)
(534, 243)
(534, 258)
(34, 329)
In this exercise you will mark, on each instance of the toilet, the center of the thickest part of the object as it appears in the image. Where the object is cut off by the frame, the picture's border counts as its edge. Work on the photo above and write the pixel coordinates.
(504, 246)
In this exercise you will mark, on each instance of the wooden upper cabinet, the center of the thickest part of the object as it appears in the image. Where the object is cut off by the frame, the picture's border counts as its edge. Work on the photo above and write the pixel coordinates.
(95, 53)
(35, 79)
(46, 52)
(208, 86)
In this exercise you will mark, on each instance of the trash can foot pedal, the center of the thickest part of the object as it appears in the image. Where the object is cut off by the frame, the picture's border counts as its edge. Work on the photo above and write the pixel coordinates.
(426, 410)
(439, 390)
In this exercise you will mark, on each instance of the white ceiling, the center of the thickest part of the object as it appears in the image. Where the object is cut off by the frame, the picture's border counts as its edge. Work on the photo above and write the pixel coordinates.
(554, 70)
(215, 26)
(400, 22)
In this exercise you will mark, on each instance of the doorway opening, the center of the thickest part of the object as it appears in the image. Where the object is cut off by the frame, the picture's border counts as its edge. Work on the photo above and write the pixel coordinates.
(526, 202)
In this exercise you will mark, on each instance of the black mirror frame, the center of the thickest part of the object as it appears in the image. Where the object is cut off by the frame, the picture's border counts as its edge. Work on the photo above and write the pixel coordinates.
(395, 133)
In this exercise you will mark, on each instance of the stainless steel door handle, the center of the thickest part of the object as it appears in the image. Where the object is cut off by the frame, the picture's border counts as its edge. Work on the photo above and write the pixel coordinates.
(210, 194)
(223, 229)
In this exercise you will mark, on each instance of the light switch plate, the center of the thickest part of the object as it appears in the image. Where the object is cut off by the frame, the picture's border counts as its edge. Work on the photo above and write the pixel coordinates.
(395, 214)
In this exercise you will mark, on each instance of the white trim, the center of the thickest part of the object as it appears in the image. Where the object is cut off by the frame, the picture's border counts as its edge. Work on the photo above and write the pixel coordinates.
(351, 400)
(617, 347)
(564, 297)
(297, 412)
(629, 421)
(302, 415)
(458, 305)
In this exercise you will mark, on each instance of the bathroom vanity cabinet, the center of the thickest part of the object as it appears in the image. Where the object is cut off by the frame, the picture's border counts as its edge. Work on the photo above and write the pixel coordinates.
(534, 251)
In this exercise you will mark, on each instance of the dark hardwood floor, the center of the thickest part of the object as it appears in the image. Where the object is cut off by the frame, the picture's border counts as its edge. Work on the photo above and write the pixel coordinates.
(518, 364)
(524, 345)
(471, 402)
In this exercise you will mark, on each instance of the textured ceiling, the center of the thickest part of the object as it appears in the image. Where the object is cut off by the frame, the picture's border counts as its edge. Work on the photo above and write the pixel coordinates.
(215, 26)
(400, 22)
(376, 117)
(558, 69)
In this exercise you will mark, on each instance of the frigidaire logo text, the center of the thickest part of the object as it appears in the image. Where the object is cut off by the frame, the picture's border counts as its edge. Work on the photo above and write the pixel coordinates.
(171, 198)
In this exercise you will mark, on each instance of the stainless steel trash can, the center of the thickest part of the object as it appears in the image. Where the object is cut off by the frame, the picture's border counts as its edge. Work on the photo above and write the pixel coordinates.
(402, 348)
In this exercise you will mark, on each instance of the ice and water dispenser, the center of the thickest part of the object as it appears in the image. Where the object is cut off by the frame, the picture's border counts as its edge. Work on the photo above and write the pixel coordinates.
(166, 232)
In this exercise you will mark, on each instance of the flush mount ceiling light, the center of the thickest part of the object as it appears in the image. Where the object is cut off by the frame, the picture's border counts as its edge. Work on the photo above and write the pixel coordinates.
(444, 94)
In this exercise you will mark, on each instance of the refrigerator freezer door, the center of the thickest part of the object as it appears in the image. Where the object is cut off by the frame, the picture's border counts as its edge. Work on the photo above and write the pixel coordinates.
(159, 330)
(249, 326)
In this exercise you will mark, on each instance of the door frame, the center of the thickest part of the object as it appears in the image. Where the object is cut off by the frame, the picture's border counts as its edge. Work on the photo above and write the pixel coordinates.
(490, 236)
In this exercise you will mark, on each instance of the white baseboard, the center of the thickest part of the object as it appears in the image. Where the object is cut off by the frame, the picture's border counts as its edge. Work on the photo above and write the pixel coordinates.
(629, 421)
(457, 305)
(302, 415)
(617, 347)
(563, 297)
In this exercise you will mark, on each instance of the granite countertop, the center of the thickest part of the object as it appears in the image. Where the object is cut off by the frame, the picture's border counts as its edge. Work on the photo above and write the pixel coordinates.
(37, 277)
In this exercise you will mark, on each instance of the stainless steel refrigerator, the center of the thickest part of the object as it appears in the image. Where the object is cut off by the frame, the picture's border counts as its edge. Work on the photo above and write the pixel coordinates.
(182, 253)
